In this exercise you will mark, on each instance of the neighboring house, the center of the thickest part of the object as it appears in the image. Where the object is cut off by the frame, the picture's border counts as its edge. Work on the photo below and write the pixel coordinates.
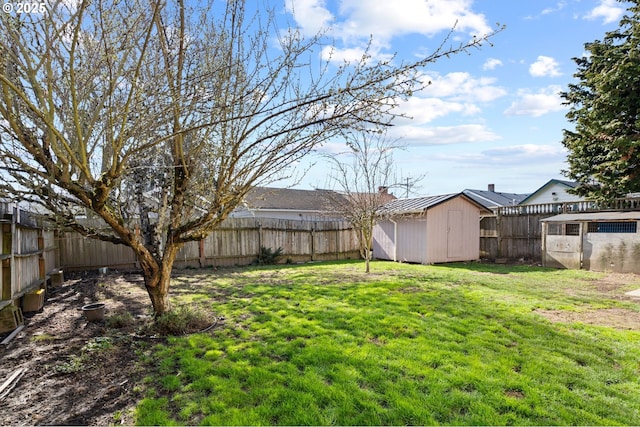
(428, 230)
(599, 241)
(554, 191)
(287, 203)
(492, 199)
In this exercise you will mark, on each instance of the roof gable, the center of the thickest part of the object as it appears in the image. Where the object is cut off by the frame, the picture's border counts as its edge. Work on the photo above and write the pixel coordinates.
(567, 184)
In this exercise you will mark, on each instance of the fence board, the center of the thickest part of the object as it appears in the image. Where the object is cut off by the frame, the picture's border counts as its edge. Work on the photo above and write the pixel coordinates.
(514, 236)
(235, 241)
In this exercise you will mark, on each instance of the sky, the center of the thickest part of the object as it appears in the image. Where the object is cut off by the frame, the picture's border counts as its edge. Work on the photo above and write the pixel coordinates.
(493, 116)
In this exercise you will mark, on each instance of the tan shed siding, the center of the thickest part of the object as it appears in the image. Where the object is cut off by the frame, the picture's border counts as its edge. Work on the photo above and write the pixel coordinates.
(457, 244)
(412, 239)
(384, 240)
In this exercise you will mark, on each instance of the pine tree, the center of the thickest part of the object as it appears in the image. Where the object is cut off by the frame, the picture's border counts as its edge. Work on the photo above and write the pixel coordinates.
(604, 148)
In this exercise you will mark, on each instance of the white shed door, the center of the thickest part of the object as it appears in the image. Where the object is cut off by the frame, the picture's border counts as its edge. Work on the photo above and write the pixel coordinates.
(455, 236)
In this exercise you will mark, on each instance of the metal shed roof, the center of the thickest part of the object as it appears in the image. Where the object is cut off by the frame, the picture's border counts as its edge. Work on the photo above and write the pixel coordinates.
(421, 204)
(595, 216)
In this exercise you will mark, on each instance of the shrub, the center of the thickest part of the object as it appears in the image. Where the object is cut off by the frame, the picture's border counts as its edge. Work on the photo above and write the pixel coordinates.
(268, 256)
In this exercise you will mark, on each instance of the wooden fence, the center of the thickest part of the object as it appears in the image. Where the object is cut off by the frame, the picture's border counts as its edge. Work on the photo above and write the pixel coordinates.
(236, 242)
(515, 232)
(29, 254)
(512, 237)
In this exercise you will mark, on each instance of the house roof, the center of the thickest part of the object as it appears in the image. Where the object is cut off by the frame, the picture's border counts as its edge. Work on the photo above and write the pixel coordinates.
(422, 204)
(288, 198)
(492, 199)
(594, 216)
(269, 198)
(568, 184)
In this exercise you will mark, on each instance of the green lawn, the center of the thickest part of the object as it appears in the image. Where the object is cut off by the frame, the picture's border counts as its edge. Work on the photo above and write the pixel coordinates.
(325, 344)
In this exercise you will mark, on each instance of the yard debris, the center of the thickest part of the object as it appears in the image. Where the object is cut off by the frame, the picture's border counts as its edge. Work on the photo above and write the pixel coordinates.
(634, 294)
(12, 335)
(11, 382)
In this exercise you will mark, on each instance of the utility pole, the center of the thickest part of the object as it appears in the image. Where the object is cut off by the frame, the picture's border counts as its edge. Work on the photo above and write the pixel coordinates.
(407, 184)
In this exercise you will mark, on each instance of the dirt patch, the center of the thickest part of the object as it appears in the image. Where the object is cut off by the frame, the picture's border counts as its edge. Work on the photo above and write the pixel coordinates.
(77, 372)
(615, 282)
(618, 318)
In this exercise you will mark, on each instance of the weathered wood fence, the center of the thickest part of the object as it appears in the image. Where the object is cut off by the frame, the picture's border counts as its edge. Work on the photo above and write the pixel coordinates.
(236, 242)
(512, 237)
(29, 253)
(515, 232)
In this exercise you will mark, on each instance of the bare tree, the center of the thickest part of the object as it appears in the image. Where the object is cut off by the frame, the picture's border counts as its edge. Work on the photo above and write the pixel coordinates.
(361, 178)
(158, 117)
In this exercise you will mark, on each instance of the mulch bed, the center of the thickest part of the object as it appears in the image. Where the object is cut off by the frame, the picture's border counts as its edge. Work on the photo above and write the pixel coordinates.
(76, 372)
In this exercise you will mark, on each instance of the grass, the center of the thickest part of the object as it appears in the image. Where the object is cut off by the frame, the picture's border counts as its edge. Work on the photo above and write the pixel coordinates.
(325, 344)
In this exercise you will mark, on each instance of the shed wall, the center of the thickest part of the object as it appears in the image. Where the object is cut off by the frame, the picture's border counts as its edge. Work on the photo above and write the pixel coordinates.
(454, 232)
(384, 240)
(412, 240)
(448, 232)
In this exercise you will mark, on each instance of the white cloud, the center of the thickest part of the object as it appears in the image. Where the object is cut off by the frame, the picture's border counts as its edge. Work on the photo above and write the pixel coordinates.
(386, 19)
(356, 20)
(333, 148)
(443, 135)
(609, 10)
(425, 110)
(353, 54)
(545, 101)
(453, 93)
(545, 66)
(525, 154)
(462, 86)
(311, 15)
(491, 64)
(558, 7)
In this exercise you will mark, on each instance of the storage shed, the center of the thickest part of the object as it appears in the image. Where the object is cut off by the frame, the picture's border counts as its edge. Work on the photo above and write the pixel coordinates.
(598, 241)
(429, 230)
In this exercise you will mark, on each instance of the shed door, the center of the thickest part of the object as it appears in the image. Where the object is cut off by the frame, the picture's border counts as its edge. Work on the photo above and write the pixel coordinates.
(455, 236)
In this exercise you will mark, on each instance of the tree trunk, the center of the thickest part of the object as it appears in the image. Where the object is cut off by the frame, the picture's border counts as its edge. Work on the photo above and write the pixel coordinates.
(157, 278)
(159, 294)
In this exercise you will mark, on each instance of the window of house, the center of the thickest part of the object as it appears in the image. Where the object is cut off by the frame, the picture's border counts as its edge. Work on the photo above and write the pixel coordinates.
(612, 227)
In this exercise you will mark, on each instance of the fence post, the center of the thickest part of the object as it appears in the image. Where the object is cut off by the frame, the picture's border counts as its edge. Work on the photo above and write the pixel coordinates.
(201, 257)
(499, 234)
(313, 243)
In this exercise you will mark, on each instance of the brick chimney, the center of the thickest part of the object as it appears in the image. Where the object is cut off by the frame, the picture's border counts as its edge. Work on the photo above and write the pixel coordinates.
(492, 188)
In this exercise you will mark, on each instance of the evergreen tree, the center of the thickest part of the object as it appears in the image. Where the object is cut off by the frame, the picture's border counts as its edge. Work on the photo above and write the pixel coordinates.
(604, 148)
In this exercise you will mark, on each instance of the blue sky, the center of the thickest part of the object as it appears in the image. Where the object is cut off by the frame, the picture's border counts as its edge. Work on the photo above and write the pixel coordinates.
(492, 117)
